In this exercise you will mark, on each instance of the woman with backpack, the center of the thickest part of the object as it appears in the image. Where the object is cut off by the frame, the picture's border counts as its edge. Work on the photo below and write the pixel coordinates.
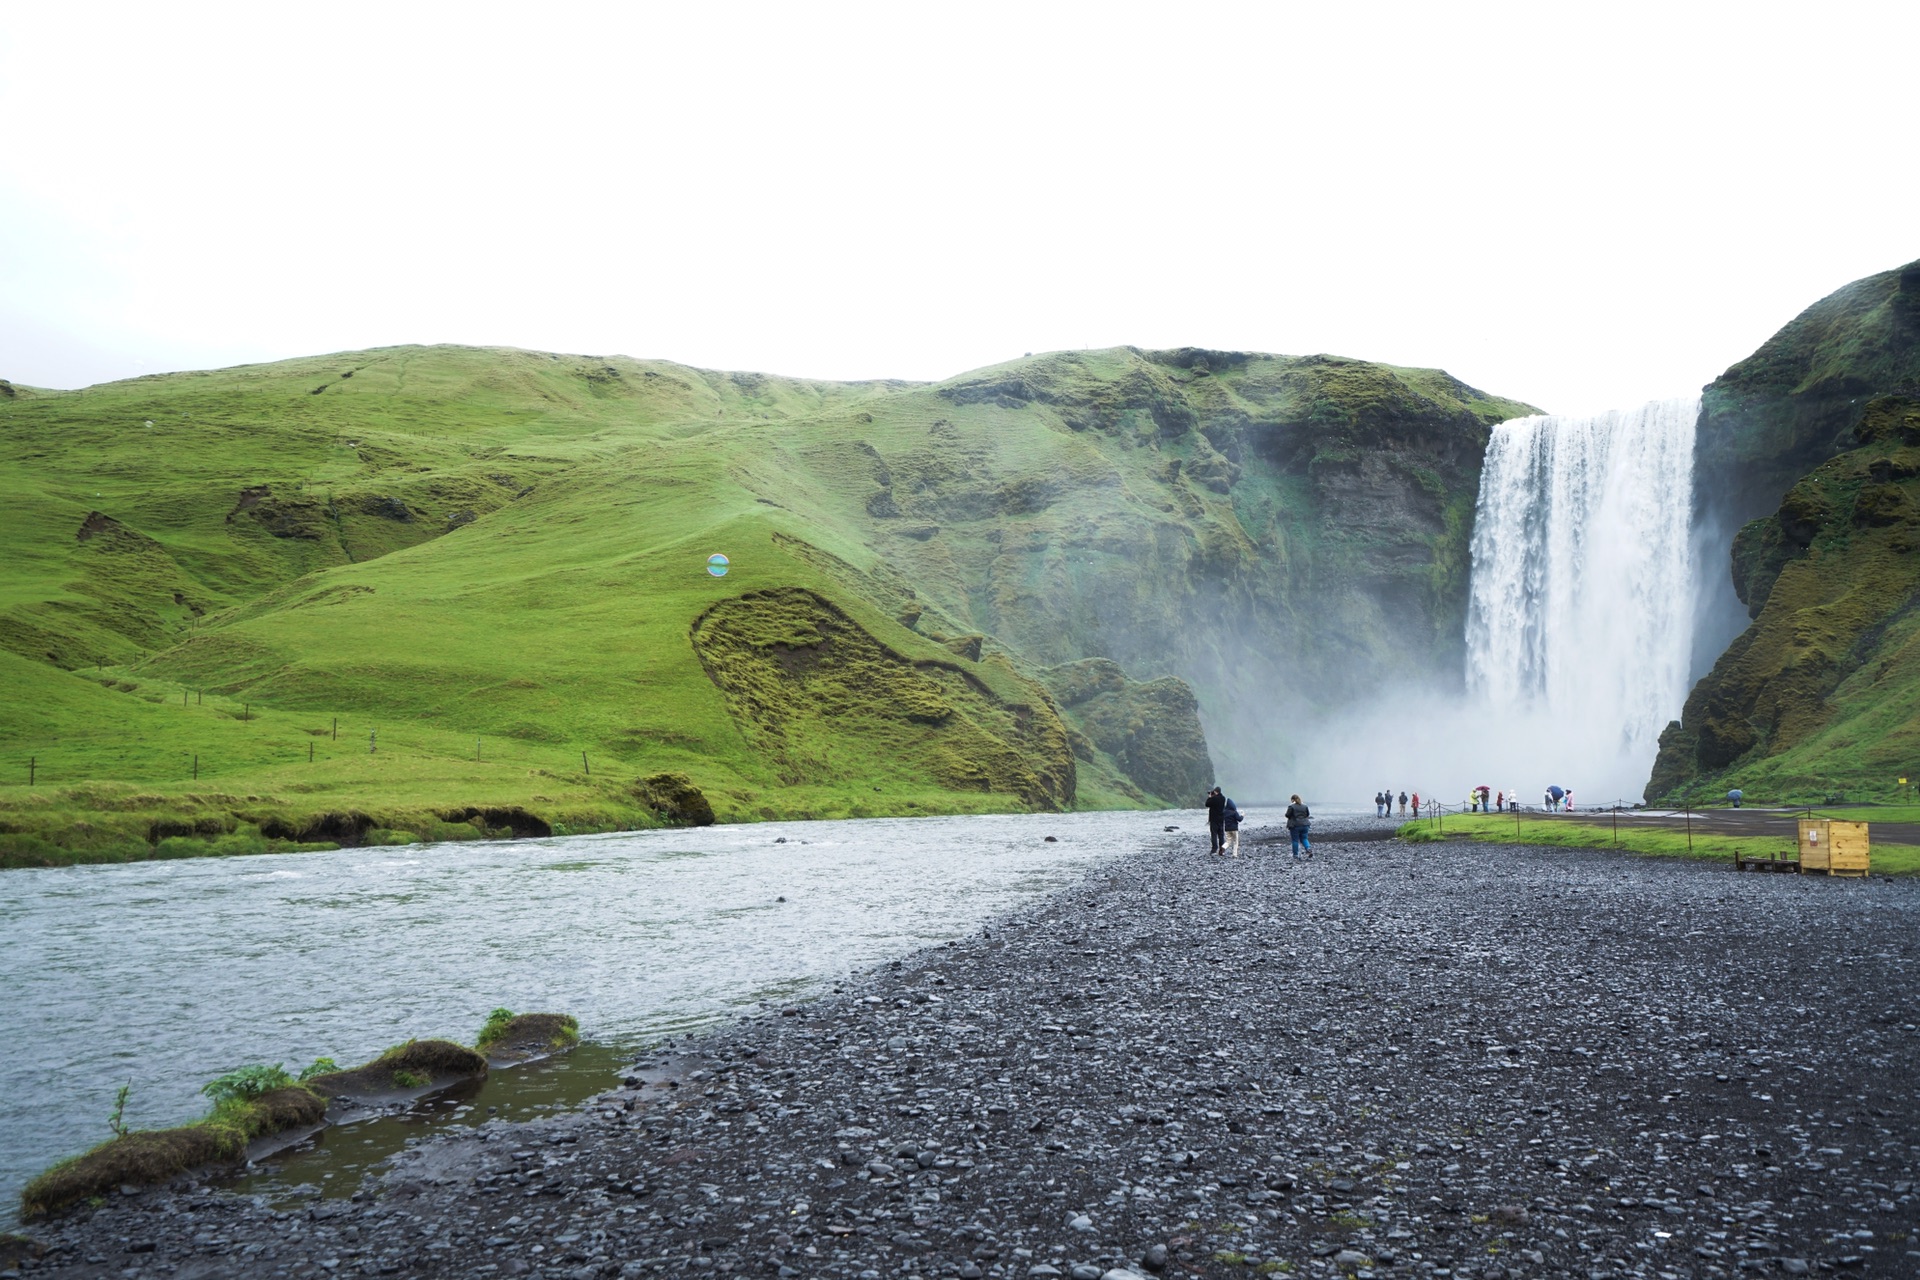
(1299, 822)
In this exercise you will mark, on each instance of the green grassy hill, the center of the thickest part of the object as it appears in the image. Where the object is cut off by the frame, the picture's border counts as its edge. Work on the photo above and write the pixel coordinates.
(487, 567)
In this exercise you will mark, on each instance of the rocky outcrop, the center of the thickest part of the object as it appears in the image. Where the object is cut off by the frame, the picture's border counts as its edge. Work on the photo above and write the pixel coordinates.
(1151, 729)
(825, 702)
(1822, 692)
(1299, 525)
(675, 800)
(1777, 491)
(1791, 405)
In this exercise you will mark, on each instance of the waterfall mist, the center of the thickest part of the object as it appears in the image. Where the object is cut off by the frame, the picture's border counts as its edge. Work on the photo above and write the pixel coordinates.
(1579, 630)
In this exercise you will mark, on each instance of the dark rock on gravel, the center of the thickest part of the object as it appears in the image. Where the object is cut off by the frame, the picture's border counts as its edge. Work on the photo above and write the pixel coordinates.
(1464, 1061)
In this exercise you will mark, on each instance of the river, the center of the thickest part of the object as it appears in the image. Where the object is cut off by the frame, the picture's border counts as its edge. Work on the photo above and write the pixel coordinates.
(167, 974)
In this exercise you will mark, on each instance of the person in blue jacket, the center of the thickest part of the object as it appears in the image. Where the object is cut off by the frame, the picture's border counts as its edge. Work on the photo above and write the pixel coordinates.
(1230, 826)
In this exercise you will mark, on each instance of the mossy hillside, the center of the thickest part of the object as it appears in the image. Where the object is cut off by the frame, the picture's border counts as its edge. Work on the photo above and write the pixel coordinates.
(1152, 729)
(245, 478)
(1822, 692)
(558, 619)
(660, 714)
(1792, 404)
(800, 677)
(1299, 524)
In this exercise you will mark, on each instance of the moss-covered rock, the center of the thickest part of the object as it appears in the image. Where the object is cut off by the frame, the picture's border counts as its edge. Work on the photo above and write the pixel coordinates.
(148, 1157)
(1150, 729)
(405, 1068)
(817, 693)
(511, 1037)
(675, 799)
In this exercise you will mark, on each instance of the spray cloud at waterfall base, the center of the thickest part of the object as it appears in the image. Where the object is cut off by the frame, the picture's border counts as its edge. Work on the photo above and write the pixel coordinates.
(1579, 626)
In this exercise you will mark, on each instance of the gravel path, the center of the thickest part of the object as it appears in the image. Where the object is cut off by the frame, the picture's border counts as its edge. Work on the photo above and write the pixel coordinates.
(1465, 1060)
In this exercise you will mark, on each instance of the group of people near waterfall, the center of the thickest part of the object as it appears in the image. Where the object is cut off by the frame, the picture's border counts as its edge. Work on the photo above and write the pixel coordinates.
(1383, 803)
(1224, 819)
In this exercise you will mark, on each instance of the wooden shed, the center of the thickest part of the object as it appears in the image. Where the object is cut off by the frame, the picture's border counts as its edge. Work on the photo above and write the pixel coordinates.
(1837, 848)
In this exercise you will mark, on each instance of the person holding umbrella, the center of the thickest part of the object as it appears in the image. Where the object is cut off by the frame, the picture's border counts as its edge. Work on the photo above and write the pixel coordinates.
(1733, 797)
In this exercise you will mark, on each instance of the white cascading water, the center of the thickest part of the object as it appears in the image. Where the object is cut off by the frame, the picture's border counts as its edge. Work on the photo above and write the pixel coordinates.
(1580, 619)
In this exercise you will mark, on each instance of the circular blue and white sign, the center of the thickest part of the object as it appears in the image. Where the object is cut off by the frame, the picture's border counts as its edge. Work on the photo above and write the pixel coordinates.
(717, 565)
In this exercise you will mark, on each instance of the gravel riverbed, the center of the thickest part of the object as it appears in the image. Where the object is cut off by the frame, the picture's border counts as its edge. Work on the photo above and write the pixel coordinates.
(1460, 1060)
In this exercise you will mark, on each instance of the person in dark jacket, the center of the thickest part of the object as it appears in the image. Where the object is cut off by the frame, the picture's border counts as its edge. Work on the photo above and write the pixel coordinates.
(1299, 822)
(1403, 804)
(1231, 823)
(1217, 820)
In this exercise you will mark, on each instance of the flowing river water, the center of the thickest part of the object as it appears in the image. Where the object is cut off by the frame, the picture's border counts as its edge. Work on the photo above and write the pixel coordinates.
(167, 974)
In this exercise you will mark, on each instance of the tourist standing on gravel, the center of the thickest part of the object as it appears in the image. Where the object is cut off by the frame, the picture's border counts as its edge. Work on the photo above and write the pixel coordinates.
(1299, 822)
(1416, 804)
(1216, 820)
(1403, 804)
(1230, 821)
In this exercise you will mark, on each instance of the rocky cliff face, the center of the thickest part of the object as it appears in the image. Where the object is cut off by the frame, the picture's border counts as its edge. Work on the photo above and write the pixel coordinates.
(1283, 534)
(1821, 694)
(1793, 404)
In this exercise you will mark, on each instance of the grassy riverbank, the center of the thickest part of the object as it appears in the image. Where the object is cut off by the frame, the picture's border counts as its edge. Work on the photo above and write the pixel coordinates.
(1657, 842)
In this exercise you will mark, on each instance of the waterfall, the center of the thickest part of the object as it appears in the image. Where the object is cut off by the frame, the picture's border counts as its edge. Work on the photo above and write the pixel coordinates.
(1580, 619)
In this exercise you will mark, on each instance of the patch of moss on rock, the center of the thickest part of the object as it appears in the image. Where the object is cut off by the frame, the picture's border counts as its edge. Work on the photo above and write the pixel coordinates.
(519, 1036)
(404, 1068)
(675, 800)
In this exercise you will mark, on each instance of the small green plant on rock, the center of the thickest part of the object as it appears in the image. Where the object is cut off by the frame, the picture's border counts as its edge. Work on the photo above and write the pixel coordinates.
(247, 1083)
(117, 1121)
(410, 1080)
(318, 1067)
(495, 1027)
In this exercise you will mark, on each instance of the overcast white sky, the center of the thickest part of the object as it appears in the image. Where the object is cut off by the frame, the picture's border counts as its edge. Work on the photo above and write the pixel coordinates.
(1577, 205)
